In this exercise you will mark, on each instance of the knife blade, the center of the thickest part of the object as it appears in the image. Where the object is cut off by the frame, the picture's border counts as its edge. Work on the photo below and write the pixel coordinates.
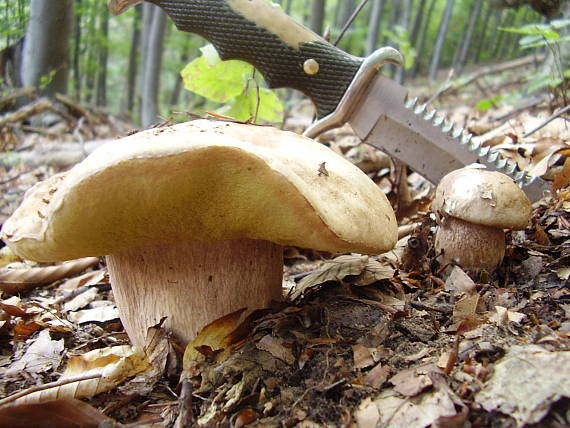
(343, 87)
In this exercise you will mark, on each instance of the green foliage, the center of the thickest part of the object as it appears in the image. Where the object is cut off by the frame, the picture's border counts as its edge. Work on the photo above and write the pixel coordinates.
(536, 35)
(401, 37)
(233, 83)
(488, 104)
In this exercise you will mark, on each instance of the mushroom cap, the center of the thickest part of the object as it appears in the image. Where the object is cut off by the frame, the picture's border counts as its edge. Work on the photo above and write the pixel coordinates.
(203, 180)
(484, 197)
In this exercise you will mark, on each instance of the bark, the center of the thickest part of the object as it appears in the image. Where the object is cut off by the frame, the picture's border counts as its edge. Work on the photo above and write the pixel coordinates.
(417, 22)
(374, 25)
(436, 57)
(184, 58)
(420, 46)
(103, 57)
(481, 38)
(317, 17)
(46, 53)
(404, 21)
(77, 54)
(464, 52)
(134, 59)
(152, 65)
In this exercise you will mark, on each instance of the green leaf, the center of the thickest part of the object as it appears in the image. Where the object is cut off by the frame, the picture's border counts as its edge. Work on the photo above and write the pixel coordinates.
(219, 82)
(485, 105)
(244, 106)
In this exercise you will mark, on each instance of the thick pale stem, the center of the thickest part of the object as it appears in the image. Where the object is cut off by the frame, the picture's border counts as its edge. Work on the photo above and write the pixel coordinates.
(193, 283)
(472, 246)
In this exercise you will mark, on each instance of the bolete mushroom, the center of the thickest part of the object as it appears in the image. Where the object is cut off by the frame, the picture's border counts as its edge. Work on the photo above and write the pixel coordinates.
(475, 205)
(192, 218)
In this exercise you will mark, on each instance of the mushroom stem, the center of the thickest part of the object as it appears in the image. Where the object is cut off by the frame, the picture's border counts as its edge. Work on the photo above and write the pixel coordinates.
(472, 246)
(193, 283)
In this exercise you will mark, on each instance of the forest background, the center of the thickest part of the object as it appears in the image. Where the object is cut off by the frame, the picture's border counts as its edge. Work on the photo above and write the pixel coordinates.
(131, 64)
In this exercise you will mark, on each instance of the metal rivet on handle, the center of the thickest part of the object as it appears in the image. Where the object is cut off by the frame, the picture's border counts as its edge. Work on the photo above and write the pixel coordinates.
(311, 67)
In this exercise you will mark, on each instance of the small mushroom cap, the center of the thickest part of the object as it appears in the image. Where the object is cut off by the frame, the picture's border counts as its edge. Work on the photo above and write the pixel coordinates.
(483, 197)
(203, 180)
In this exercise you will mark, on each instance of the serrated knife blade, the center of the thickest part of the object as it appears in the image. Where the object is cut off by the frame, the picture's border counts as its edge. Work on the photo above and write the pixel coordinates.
(423, 139)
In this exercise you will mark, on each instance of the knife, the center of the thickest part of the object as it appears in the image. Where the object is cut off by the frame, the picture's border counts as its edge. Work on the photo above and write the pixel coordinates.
(343, 87)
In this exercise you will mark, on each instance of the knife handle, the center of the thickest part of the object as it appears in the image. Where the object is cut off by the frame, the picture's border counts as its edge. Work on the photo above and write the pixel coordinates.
(285, 52)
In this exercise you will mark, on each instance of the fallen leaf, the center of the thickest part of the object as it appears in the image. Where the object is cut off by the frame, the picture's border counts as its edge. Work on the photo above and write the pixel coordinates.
(562, 179)
(66, 413)
(411, 382)
(81, 300)
(422, 411)
(362, 357)
(99, 314)
(14, 281)
(275, 347)
(502, 316)
(563, 273)
(43, 355)
(89, 278)
(526, 382)
(459, 281)
(374, 271)
(377, 376)
(114, 365)
(465, 307)
(217, 335)
(334, 270)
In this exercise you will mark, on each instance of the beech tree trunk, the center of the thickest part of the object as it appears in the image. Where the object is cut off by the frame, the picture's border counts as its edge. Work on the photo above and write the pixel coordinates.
(101, 97)
(464, 50)
(134, 59)
(420, 45)
(46, 47)
(436, 56)
(152, 64)
(374, 25)
(317, 18)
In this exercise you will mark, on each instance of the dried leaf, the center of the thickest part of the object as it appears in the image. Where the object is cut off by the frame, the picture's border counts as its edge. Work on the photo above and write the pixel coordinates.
(412, 381)
(374, 271)
(217, 335)
(275, 347)
(99, 314)
(89, 278)
(562, 179)
(334, 270)
(465, 307)
(362, 357)
(20, 280)
(377, 376)
(67, 413)
(43, 355)
(526, 382)
(503, 316)
(424, 410)
(114, 365)
(459, 281)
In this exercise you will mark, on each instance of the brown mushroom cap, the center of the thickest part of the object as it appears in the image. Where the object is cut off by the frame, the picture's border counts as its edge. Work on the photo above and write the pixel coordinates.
(203, 180)
(482, 197)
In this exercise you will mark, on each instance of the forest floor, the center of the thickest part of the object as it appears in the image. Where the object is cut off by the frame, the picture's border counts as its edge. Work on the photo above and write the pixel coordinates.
(393, 340)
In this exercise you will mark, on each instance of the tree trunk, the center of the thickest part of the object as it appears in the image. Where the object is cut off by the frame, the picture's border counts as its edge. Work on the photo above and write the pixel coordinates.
(463, 53)
(101, 97)
(152, 66)
(417, 22)
(420, 46)
(404, 21)
(317, 17)
(436, 57)
(483, 34)
(77, 54)
(46, 53)
(133, 59)
(374, 25)
(184, 58)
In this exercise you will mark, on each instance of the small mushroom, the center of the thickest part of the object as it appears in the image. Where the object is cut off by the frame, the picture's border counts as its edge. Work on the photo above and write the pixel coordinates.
(192, 218)
(475, 206)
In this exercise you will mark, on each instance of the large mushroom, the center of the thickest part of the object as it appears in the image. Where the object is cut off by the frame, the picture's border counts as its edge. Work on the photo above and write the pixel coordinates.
(192, 218)
(475, 205)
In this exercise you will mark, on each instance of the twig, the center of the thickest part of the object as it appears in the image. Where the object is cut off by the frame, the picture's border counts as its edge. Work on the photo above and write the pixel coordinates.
(185, 417)
(547, 121)
(350, 21)
(45, 386)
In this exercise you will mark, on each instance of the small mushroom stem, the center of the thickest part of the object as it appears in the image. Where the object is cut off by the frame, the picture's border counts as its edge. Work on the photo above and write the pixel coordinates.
(472, 246)
(193, 283)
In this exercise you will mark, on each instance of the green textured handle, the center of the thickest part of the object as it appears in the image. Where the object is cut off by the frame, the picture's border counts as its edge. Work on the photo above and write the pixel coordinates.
(286, 53)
